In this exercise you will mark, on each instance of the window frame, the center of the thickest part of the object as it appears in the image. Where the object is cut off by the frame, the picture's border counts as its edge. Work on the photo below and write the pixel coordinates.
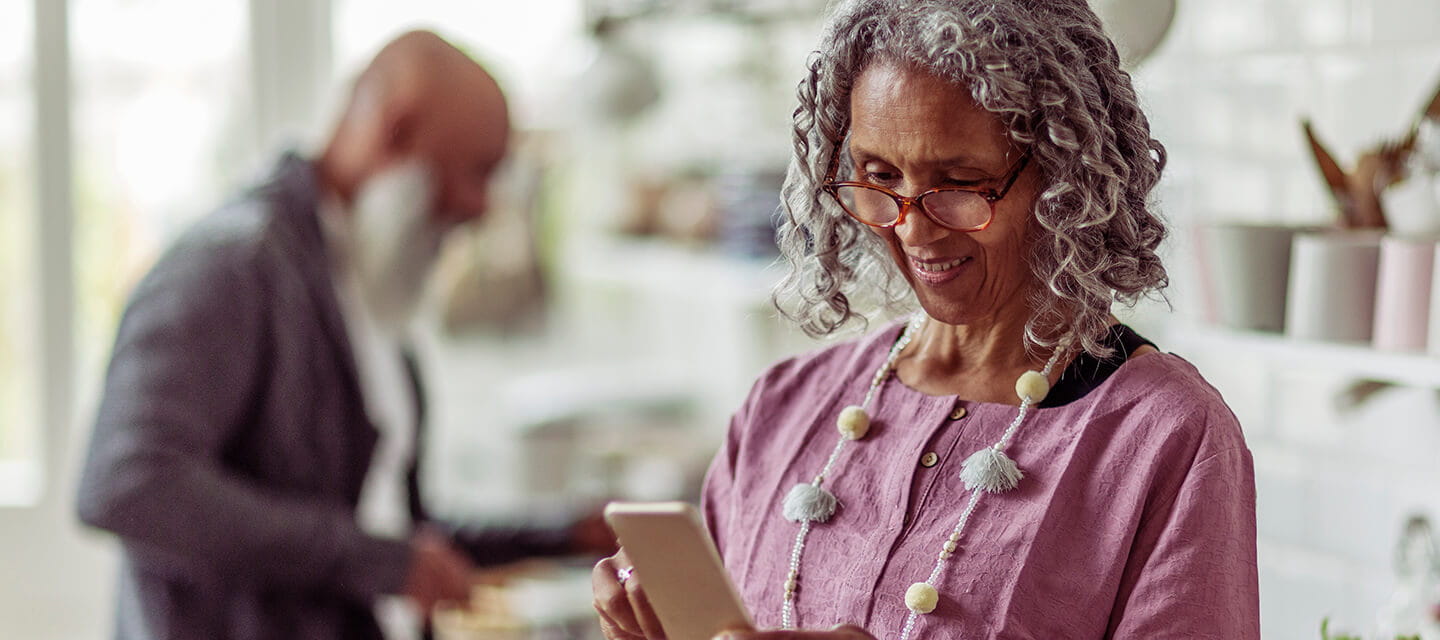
(290, 66)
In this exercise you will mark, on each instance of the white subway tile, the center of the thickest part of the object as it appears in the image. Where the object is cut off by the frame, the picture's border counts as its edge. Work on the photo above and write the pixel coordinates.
(1234, 188)
(1418, 74)
(1298, 587)
(1397, 428)
(1281, 503)
(1362, 21)
(1361, 99)
(1226, 26)
(1319, 23)
(1307, 416)
(1181, 39)
(1356, 521)
(1269, 128)
(1239, 379)
(1303, 197)
(1403, 21)
(1416, 491)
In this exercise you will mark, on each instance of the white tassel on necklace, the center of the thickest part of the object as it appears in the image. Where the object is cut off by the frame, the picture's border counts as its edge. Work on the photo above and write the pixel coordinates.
(989, 469)
(807, 502)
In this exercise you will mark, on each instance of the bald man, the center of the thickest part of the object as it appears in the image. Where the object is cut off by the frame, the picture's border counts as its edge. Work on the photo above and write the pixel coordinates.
(255, 447)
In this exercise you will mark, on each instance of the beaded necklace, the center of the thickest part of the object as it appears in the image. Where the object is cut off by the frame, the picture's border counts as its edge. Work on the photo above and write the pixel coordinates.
(988, 470)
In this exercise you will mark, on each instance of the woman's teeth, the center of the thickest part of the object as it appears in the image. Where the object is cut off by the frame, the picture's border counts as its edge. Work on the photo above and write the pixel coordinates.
(938, 267)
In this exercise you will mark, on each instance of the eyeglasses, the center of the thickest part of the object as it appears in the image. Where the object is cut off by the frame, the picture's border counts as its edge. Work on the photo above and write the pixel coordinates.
(955, 208)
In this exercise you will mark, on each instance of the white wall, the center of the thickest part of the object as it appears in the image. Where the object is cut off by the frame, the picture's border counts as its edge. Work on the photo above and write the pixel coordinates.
(1225, 93)
(56, 581)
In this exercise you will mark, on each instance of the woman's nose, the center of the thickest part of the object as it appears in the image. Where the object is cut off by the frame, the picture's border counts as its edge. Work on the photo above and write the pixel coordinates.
(917, 229)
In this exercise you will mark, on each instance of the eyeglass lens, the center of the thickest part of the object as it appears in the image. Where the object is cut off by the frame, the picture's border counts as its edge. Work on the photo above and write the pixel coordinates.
(958, 209)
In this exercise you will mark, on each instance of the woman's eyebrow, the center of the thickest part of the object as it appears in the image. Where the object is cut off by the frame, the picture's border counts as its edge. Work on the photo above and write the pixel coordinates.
(964, 164)
(960, 160)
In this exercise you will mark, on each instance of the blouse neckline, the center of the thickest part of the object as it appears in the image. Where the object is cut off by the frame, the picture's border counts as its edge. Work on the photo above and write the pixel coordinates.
(1119, 336)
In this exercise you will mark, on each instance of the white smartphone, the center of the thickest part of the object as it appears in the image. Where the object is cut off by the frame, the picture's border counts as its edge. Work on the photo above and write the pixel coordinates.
(679, 568)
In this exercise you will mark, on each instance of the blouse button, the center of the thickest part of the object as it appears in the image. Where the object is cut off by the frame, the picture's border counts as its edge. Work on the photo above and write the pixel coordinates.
(958, 413)
(929, 460)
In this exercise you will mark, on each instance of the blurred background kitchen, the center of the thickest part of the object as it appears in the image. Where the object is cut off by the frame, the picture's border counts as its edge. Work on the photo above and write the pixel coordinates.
(561, 339)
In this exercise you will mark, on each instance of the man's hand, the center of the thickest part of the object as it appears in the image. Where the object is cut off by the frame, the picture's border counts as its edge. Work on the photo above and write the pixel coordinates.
(438, 572)
(591, 535)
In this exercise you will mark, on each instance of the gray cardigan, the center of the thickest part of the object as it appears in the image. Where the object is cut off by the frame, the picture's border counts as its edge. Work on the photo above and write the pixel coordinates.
(231, 441)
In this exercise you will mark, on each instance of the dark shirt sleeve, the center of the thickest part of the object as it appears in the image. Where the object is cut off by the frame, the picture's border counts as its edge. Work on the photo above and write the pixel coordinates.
(490, 544)
(184, 377)
(487, 543)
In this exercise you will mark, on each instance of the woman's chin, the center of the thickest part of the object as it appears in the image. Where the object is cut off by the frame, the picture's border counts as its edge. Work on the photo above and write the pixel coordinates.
(952, 312)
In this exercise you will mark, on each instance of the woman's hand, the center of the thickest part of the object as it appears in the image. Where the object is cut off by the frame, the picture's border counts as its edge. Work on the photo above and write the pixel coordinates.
(625, 612)
(842, 632)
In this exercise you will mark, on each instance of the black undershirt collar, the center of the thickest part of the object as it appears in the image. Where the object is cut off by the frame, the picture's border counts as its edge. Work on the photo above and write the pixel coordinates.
(1086, 372)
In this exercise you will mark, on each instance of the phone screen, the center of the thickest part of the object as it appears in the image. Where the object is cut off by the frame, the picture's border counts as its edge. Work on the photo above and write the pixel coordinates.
(679, 568)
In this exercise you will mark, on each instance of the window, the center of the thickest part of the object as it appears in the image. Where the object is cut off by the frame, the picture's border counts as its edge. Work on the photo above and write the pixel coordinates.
(19, 392)
(160, 130)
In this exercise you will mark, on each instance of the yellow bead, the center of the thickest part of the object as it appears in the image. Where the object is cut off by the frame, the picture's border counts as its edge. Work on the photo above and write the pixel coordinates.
(1033, 386)
(853, 423)
(921, 598)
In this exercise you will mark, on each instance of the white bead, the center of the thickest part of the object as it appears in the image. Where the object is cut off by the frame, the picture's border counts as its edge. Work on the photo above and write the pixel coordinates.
(944, 555)
(921, 598)
(1032, 386)
(950, 546)
(791, 585)
(853, 422)
(954, 536)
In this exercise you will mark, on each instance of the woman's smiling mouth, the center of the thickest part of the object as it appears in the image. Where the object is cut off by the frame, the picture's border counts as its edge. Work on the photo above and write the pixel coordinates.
(935, 272)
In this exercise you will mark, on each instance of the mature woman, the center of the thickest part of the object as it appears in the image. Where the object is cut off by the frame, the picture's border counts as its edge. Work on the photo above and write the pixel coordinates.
(1010, 462)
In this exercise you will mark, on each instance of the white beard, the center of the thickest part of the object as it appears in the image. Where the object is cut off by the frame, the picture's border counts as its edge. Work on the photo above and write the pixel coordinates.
(395, 241)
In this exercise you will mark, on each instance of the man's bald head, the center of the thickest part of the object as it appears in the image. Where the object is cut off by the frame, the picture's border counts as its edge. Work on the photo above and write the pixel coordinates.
(422, 99)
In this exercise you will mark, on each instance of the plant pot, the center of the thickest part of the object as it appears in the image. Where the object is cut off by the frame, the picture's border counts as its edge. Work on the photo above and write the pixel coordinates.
(1433, 333)
(1247, 268)
(1332, 286)
(1402, 297)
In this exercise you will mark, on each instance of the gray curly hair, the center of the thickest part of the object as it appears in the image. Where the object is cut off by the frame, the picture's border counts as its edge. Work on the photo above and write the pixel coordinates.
(1048, 71)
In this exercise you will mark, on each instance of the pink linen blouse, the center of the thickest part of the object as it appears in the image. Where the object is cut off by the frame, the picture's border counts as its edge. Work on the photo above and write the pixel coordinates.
(1135, 518)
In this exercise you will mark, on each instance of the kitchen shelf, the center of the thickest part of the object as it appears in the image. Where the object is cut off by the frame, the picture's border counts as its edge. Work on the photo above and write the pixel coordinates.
(1358, 360)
